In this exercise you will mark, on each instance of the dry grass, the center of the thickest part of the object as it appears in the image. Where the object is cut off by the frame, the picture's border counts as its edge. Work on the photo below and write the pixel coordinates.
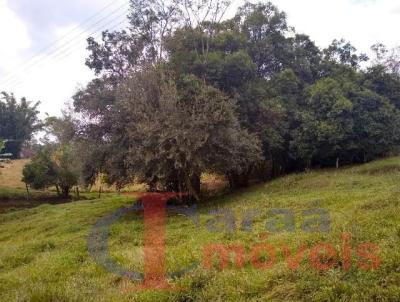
(11, 174)
(134, 187)
(214, 184)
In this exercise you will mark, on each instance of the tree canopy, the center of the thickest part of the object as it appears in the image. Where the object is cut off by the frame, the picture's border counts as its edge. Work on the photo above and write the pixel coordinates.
(184, 90)
(57, 162)
(19, 120)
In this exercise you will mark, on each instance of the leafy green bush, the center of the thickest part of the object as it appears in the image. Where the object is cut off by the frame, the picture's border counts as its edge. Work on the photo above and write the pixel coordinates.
(52, 166)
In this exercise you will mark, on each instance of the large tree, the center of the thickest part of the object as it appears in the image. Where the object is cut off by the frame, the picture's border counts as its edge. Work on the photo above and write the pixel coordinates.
(19, 120)
(326, 125)
(376, 131)
(176, 135)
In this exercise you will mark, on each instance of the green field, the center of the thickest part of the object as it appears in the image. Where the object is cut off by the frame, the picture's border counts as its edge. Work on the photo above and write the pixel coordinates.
(44, 256)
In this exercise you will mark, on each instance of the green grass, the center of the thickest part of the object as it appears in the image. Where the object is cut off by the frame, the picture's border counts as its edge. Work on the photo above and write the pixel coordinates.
(44, 257)
(20, 194)
(14, 199)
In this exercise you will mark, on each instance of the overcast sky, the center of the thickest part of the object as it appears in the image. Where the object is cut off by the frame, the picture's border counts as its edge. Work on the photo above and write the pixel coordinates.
(42, 50)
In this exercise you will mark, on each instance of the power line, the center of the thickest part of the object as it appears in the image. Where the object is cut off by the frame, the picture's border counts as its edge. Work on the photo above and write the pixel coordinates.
(35, 59)
(66, 35)
(70, 51)
(75, 38)
(76, 46)
(66, 46)
(100, 31)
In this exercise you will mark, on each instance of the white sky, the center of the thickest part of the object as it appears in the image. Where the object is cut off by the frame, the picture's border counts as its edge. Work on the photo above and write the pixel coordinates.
(52, 79)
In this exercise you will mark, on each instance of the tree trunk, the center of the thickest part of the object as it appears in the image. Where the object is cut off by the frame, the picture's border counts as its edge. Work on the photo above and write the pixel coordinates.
(309, 164)
(273, 168)
(196, 183)
(27, 191)
(58, 190)
(193, 185)
(173, 183)
(65, 192)
(100, 192)
(77, 192)
(237, 181)
(264, 170)
(337, 162)
(153, 185)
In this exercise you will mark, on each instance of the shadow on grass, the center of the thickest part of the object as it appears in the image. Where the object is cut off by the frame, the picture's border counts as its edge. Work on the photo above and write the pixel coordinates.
(12, 201)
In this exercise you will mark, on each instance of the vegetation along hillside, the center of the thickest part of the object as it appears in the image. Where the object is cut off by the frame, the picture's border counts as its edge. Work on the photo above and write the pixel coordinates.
(46, 258)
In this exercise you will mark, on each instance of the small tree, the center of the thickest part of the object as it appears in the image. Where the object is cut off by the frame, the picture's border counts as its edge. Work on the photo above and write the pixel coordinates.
(67, 169)
(52, 166)
(40, 173)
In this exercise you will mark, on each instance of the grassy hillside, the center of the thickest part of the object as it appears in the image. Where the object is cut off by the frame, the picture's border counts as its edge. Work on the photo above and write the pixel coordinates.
(44, 257)
(13, 193)
(11, 174)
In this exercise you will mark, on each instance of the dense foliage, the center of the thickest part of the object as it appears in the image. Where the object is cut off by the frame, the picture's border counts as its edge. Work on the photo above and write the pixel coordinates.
(52, 167)
(18, 122)
(57, 163)
(184, 91)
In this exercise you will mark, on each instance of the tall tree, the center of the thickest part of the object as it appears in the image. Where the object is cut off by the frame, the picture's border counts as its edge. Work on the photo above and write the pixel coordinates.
(265, 27)
(326, 125)
(18, 122)
(175, 137)
(344, 53)
(383, 77)
(376, 130)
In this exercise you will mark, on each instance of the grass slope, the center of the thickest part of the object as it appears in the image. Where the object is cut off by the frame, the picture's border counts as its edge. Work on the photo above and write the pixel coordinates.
(11, 174)
(13, 190)
(43, 251)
